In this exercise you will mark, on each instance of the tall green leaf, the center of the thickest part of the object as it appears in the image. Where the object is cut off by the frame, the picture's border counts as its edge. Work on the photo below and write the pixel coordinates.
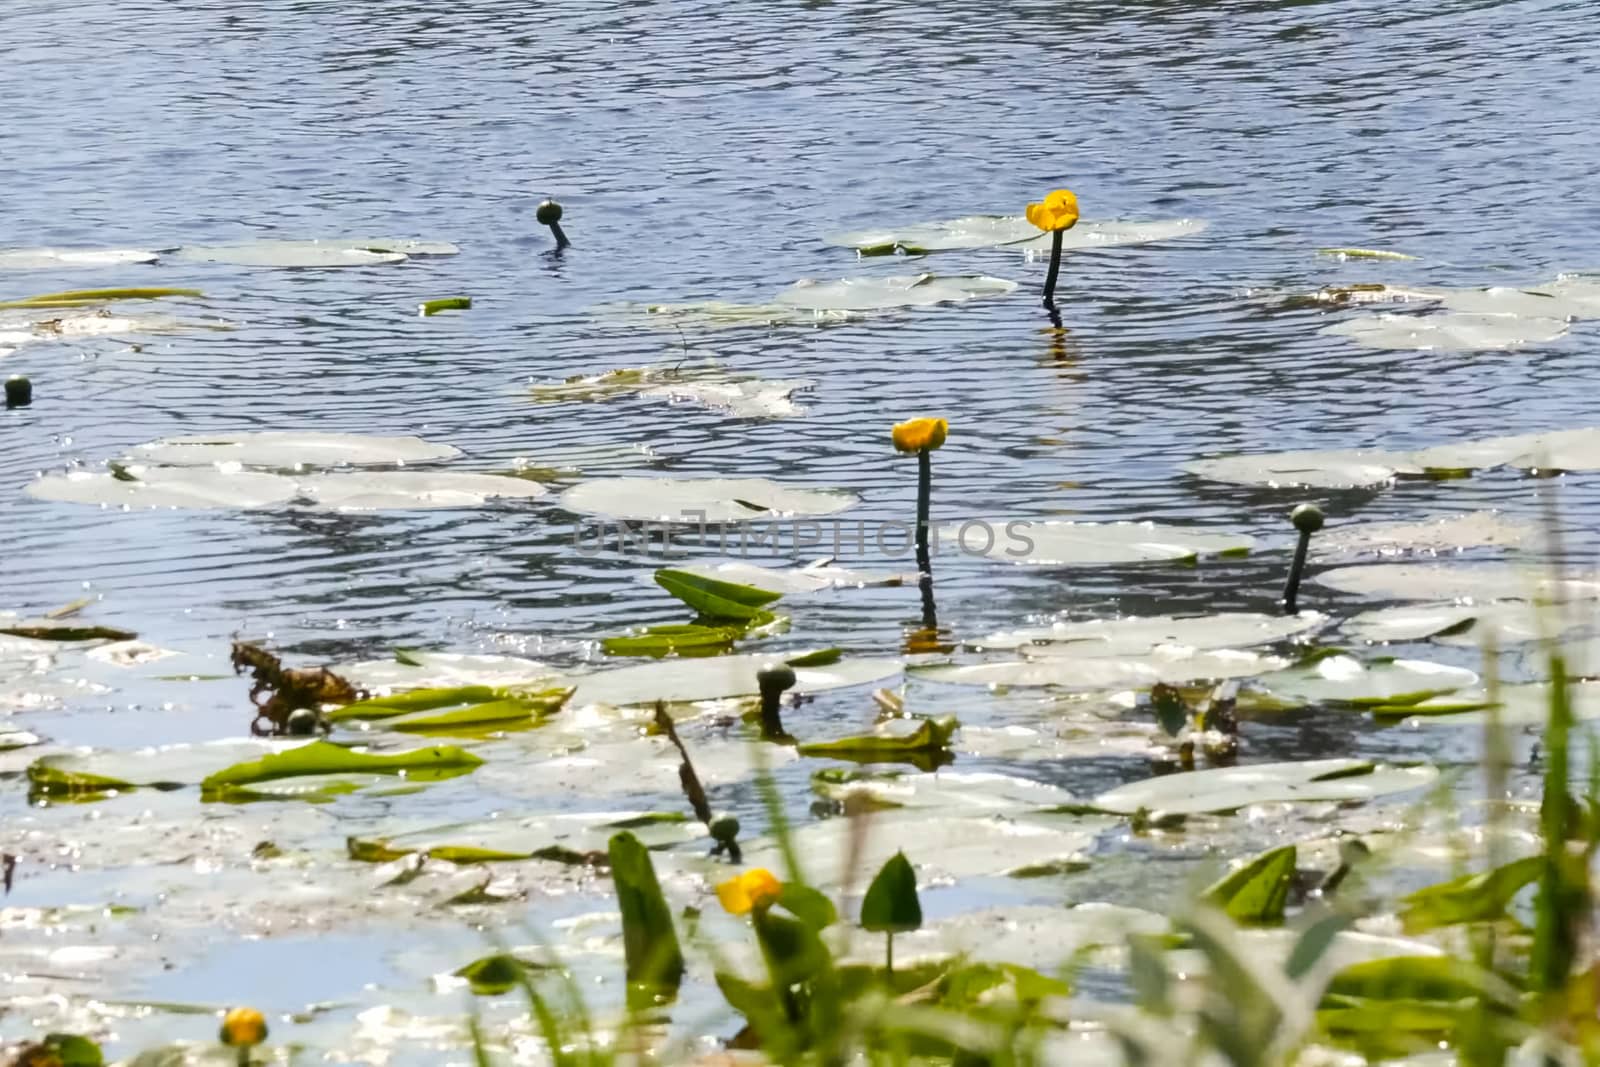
(1258, 891)
(891, 904)
(650, 944)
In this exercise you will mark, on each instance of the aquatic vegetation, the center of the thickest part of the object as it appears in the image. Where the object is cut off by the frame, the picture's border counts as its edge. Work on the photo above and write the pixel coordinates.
(1307, 519)
(278, 450)
(74, 298)
(19, 391)
(327, 252)
(1363, 253)
(698, 501)
(549, 213)
(1465, 319)
(57, 258)
(990, 231)
(1051, 542)
(812, 302)
(1138, 635)
(1225, 789)
(444, 303)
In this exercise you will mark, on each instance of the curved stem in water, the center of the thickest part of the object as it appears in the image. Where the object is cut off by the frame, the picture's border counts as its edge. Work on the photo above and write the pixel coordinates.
(1055, 269)
(1292, 589)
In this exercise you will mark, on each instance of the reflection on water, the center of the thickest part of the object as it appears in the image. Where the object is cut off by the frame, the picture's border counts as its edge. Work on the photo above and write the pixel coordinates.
(700, 151)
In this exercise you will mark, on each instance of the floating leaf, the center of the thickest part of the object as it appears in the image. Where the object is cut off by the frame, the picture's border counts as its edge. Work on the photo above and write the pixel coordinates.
(85, 297)
(1342, 679)
(700, 500)
(1521, 705)
(714, 598)
(1061, 666)
(891, 741)
(684, 681)
(168, 767)
(987, 231)
(56, 258)
(66, 631)
(1558, 450)
(1470, 898)
(492, 975)
(812, 578)
(1511, 621)
(745, 398)
(1336, 469)
(321, 757)
(1449, 331)
(1225, 789)
(544, 702)
(272, 253)
(413, 490)
(1438, 536)
(1051, 542)
(1257, 891)
(1361, 253)
(1138, 635)
(1457, 581)
(166, 487)
(970, 793)
(292, 450)
(444, 303)
(576, 838)
(409, 246)
(473, 718)
(893, 291)
(891, 905)
(450, 670)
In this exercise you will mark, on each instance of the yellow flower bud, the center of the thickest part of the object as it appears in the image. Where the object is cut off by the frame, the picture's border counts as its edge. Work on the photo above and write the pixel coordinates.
(243, 1027)
(1058, 212)
(918, 434)
(757, 888)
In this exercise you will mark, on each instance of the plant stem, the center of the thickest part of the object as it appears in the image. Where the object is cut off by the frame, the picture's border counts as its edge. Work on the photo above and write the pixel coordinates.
(1291, 591)
(924, 492)
(560, 236)
(1055, 269)
(889, 954)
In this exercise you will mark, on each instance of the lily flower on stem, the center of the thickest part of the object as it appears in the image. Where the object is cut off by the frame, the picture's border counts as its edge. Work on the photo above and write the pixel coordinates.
(922, 436)
(1055, 215)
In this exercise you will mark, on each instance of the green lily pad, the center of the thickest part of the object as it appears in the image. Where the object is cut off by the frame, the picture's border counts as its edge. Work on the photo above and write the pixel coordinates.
(166, 487)
(700, 500)
(812, 578)
(291, 450)
(321, 757)
(58, 258)
(274, 253)
(1458, 581)
(686, 681)
(72, 298)
(1060, 666)
(167, 767)
(1138, 635)
(472, 718)
(713, 597)
(869, 293)
(1334, 469)
(1226, 789)
(1051, 542)
(1342, 679)
(890, 741)
(964, 793)
(678, 639)
(414, 490)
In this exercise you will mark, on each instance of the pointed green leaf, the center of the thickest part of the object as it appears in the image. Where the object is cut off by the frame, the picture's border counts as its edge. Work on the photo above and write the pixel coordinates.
(321, 757)
(929, 736)
(650, 943)
(713, 598)
(1472, 898)
(891, 904)
(1258, 891)
(808, 905)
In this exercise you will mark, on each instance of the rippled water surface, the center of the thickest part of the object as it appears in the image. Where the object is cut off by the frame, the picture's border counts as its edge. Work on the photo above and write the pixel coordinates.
(701, 151)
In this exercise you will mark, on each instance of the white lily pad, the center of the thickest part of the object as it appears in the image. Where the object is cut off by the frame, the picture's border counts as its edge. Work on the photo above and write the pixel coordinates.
(725, 315)
(695, 500)
(1437, 536)
(893, 291)
(748, 398)
(812, 578)
(988, 231)
(1058, 543)
(411, 490)
(77, 324)
(1512, 622)
(56, 258)
(690, 680)
(1448, 331)
(1342, 679)
(1458, 581)
(561, 837)
(1333, 469)
(1225, 789)
(620, 381)
(445, 670)
(292, 450)
(1138, 635)
(1521, 705)
(1090, 235)
(969, 793)
(167, 487)
(272, 253)
(407, 246)
(1063, 666)
(1040, 936)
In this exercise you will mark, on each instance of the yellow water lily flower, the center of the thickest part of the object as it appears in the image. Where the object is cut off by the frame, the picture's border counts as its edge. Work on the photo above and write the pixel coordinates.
(918, 434)
(1058, 212)
(243, 1028)
(757, 888)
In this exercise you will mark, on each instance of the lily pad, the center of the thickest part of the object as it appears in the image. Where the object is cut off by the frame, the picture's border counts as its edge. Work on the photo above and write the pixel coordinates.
(965, 793)
(1058, 666)
(987, 231)
(1512, 622)
(893, 291)
(812, 578)
(696, 500)
(321, 757)
(1457, 581)
(1362, 253)
(890, 741)
(272, 253)
(619, 382)
(1342, 679)
(1336, 469)
(1056, 543)
(569, 837)
(292, 450)
(1092, 235)
(713, 597)
(1449, 331)
(1521, 705)
(407, 246)
(1226, 789)
(166, 487)
(57, 258)
(1137, 635)
(88, 297)
(414, 490)
(687, 681)
(447, 670)
(1437, 536)
(166, 767)
(746, 398)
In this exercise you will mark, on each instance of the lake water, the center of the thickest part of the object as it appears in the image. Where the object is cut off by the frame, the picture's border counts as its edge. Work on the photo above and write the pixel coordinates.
(701, 152)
